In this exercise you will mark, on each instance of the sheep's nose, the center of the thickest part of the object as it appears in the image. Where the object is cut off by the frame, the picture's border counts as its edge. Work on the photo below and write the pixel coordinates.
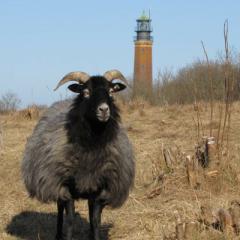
(103, 108)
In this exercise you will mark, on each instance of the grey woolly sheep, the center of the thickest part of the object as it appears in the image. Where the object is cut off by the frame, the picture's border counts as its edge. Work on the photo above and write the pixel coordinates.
(79, 150)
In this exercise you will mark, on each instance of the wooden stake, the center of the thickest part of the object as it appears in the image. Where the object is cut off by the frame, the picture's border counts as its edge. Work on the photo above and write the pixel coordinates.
(168, 159)
(234, 211)
(192, 171)
(212, 153)
(191, 230)
(180, 229)
(225, 219)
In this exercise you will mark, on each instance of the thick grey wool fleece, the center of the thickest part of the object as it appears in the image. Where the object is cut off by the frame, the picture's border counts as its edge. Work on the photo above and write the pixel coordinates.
(50, 161)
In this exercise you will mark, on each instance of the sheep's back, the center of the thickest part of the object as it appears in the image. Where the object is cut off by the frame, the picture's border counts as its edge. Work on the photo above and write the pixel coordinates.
(43, 152)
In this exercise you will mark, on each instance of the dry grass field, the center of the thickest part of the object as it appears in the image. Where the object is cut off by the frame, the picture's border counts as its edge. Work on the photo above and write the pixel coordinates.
(161, 198)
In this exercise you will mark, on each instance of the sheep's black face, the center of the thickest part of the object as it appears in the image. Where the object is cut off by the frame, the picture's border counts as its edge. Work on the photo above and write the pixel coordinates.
(96, 95)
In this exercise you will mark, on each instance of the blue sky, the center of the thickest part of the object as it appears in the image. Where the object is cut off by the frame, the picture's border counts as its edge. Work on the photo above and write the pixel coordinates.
(41, 41)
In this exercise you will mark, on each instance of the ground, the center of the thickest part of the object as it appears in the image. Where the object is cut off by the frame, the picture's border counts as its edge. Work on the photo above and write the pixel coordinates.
(161, 197)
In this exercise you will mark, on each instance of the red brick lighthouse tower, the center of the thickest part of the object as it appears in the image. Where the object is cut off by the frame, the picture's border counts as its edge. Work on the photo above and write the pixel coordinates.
(143, 56)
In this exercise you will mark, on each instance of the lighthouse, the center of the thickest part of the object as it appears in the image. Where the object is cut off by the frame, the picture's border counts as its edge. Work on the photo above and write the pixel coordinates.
(143, 56)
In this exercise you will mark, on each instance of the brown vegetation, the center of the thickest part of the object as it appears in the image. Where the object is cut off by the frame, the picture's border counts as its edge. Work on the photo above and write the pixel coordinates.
(162, 203)
(30, 113)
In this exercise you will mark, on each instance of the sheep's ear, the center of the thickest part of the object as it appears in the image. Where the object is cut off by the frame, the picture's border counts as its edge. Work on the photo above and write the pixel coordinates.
(77, 88)
(118, 86)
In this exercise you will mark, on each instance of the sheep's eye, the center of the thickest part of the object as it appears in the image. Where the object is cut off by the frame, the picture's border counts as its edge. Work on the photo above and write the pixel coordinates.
(86, 93)
(111, 91)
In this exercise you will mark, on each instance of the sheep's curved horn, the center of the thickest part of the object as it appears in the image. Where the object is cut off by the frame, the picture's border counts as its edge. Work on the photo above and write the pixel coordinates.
(115, 74)
(80, 77)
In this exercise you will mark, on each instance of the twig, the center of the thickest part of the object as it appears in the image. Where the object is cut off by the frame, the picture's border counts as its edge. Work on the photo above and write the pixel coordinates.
(211, 87)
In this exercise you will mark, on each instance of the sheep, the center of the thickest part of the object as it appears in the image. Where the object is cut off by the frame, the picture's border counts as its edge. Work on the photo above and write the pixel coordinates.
(80, 150)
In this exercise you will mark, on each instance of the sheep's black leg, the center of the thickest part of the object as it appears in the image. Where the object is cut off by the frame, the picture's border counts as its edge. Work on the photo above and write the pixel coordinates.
(60, 207)
(70, 213)
(95, 211)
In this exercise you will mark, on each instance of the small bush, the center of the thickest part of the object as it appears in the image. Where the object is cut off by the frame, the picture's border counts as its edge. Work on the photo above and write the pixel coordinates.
(9, 102)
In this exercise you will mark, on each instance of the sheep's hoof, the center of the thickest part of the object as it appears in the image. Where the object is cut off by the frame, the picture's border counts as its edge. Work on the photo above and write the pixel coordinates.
(93, 236)
(59, 237)
(62, 237)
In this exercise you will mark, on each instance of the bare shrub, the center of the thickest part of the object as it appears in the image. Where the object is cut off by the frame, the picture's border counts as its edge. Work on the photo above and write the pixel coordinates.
(9, 102)
(193, 83)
